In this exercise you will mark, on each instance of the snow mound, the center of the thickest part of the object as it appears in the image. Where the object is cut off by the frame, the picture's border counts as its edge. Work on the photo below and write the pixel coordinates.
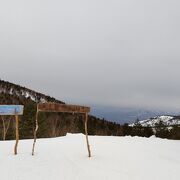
(114, 158)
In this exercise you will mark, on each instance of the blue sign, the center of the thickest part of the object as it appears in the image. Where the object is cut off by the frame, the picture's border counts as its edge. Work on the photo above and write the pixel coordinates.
(11, 109)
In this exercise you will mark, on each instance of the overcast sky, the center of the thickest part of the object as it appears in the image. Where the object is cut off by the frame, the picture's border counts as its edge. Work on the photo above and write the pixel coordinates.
(121, 53)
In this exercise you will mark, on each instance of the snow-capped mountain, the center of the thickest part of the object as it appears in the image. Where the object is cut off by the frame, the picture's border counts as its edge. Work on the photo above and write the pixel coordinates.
(165, 120)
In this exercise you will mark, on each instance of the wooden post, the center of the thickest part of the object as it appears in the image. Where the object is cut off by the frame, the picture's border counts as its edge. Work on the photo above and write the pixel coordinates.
(17, 134)
(86, 132)
(5, 129)
(35, 131)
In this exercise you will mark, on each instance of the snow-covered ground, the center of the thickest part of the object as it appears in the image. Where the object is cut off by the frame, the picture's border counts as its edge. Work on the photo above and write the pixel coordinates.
(114, 158)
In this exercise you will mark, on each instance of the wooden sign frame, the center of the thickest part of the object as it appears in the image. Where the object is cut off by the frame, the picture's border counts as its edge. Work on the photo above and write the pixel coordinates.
(55, 107)
(15, 110)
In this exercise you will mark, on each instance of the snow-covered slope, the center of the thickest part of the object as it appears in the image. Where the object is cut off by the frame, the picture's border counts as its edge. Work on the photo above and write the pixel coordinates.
(7, 88)
(166, 120)
(114, 158)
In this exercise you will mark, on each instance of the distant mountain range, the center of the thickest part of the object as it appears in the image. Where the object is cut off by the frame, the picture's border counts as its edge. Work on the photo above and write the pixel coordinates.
(127, 114)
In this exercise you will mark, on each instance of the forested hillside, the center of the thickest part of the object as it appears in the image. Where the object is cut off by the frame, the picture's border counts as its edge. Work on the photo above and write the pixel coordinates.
(51, 124)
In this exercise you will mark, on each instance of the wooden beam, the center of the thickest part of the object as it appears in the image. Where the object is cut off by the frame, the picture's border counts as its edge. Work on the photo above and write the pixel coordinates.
(55, 107)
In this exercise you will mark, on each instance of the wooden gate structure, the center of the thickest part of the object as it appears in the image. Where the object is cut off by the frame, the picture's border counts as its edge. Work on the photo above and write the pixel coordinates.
(13, 110)
(56, 107)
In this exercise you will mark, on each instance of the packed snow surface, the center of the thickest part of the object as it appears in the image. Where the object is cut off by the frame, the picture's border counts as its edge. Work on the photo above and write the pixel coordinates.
(114, 158)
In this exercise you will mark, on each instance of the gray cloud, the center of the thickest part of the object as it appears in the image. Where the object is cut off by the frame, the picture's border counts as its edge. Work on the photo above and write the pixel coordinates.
(115, 53)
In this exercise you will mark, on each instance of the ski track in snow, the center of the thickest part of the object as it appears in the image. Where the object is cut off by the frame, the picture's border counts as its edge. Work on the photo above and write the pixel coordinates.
(114, 158)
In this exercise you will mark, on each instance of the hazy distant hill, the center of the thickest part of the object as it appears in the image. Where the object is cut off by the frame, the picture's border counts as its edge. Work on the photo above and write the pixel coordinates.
(51, 124)
(126, 114)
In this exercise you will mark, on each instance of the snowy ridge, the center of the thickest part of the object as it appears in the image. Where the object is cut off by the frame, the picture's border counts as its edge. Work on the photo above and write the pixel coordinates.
(19, 91)
(165, 120)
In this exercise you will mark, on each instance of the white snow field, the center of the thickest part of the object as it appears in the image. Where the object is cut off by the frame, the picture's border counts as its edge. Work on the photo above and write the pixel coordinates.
(114, 158)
